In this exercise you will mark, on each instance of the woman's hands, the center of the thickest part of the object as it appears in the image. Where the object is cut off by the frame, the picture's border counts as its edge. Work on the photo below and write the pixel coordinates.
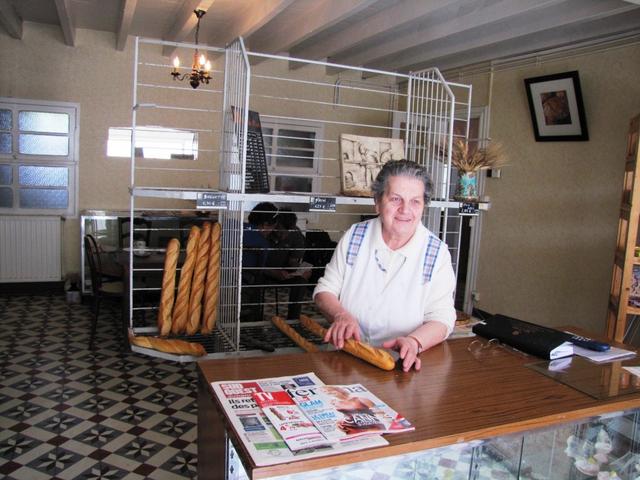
(344, 326)
(409, 349)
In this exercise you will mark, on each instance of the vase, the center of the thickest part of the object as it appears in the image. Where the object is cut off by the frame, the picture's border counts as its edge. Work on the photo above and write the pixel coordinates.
(467, 187)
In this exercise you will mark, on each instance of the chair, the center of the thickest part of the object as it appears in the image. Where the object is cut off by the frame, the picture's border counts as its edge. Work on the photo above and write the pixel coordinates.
(99, 287)
(141, 230)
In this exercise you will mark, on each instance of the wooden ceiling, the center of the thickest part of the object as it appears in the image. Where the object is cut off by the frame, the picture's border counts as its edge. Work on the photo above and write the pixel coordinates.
(396, 35)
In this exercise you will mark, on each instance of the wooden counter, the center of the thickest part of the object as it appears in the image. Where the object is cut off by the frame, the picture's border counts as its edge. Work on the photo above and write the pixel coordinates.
(458, 396)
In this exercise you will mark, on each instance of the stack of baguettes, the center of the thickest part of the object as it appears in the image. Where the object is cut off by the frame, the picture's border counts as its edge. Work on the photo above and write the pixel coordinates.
(194, 307)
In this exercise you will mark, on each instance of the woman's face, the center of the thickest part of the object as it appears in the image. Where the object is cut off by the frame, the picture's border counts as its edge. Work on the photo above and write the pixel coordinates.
(400, 207)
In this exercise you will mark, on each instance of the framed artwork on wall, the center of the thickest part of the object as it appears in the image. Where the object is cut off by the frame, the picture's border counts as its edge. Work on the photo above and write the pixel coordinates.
(557, 112)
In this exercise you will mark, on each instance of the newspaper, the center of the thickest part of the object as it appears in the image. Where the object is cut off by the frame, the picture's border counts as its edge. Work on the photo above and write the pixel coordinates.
(254, 429)
(345, 412)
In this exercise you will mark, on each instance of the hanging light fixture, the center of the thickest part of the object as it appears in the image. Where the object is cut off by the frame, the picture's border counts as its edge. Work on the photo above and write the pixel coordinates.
(200, 68)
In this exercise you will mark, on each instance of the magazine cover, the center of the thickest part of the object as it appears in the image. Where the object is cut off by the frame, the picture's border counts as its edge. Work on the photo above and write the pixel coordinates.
(259, 437)
(288, 420)
(344, 412)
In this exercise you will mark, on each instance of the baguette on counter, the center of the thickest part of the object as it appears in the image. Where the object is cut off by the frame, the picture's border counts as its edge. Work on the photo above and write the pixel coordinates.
(375, 356)
(298, 339)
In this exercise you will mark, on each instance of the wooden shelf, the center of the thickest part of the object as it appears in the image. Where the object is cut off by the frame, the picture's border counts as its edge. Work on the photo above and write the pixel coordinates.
(625, 259)
(633, 310)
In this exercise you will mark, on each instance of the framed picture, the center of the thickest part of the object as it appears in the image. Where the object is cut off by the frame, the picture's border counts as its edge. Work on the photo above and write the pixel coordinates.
(361, 160)
(557, 113)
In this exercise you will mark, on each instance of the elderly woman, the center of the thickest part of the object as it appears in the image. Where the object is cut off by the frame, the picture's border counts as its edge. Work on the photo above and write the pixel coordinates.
(390, 281)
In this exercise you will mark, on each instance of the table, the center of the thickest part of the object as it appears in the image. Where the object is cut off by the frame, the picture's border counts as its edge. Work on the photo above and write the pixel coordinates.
(458, 396)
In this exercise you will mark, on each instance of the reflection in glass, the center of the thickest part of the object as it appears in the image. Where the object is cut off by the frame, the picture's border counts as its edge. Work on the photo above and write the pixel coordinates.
(43, 145)
(293, 184)
(6, 175)
(43, 198)
(294, 158)
(296, 139)
(5, 119)
(43, 122)
(6, 197)
(44, 176)
(5, 143)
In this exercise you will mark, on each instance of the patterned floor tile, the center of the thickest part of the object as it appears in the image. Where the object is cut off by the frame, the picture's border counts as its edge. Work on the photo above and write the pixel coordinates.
(72, 413)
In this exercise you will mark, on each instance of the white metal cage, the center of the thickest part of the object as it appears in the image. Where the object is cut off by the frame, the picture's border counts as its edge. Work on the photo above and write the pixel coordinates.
(423, 109)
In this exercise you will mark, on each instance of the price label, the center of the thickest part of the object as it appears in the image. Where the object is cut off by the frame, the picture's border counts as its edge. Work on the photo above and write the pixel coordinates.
(322, 204)
(470, 209)
(211, 200)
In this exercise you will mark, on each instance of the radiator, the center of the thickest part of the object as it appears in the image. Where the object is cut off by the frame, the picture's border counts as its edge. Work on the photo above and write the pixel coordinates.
(30, 249)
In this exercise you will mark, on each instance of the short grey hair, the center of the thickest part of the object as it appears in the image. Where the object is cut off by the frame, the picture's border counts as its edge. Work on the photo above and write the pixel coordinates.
(401, 168)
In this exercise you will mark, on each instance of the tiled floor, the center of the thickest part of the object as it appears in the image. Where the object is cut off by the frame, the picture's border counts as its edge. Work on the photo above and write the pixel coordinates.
(70, 413)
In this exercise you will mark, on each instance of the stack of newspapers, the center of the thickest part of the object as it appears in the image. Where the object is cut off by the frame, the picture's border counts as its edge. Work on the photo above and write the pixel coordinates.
(288, 418)
(323, 415)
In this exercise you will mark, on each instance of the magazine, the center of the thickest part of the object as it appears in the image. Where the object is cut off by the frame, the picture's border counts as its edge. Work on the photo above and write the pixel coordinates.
(345, 412)
(256, 432)
(288, 420)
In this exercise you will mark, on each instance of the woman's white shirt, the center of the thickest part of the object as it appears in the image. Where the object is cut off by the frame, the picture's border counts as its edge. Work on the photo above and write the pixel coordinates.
(392, 292)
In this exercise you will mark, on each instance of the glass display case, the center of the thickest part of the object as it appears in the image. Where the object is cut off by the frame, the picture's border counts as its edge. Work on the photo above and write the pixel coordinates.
(111, 230)
(602, 448)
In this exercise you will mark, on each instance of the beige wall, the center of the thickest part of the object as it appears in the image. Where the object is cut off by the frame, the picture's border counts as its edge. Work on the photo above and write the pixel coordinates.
(548, 240)
(99, 78)
(96, 76)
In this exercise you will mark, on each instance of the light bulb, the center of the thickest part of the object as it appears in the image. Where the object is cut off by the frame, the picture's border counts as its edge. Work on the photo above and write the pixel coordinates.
(202, 60)
(176, 62)
(207, 66)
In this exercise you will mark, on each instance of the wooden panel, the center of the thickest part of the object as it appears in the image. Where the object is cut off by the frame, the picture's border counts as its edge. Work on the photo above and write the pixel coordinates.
(455, 398)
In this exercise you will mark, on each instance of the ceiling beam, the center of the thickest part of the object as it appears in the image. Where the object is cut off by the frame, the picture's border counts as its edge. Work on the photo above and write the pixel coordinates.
(10, 20)
(185, 23)
(576, 14)
(66, 22)
(257, 16)
(536, 45)
(303, 19)
(446, 26)
(127, 9)
(366, 30)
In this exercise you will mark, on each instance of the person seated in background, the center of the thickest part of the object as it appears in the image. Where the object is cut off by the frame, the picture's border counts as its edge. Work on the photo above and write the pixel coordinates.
(255, 247)
(284, 261)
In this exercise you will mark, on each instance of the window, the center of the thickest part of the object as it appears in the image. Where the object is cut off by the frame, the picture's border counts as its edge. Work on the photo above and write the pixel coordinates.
(38, 157)
(153, 142)
(293, 156)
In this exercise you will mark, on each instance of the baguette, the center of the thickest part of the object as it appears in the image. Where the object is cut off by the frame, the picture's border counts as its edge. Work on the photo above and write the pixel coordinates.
(197, 283)
(298, 339)
(375, 356)
(168, 291)
(212, 284)
(168, 345)
(181, 307)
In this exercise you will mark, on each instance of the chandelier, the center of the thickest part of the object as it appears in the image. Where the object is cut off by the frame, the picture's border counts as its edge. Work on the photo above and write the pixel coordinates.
(200, 68)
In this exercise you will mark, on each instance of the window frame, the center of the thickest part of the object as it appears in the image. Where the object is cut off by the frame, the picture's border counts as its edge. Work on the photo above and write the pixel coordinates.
(274, 170)
(16, 160)
(140, 149)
